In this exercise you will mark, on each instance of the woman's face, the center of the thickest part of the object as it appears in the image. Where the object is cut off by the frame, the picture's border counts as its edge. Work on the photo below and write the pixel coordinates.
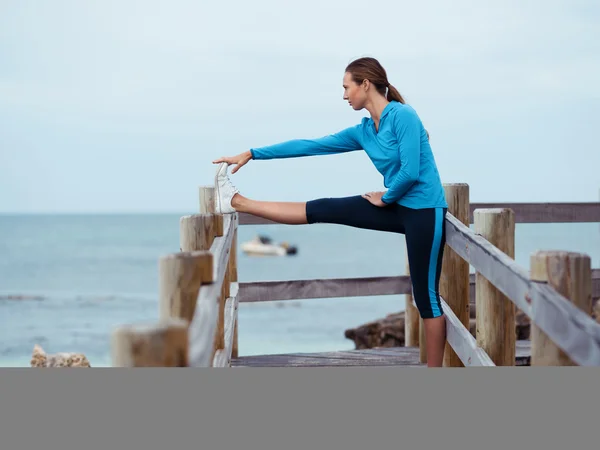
(354, 93)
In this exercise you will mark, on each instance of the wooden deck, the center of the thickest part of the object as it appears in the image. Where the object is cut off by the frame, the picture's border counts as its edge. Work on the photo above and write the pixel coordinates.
(394, 356)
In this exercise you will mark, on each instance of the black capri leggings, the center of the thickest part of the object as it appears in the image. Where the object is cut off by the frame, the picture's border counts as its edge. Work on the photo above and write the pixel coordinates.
(423, 228)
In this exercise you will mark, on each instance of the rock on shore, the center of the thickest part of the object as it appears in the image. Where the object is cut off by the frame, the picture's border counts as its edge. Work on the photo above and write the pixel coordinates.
(40, 358)
(389, 331)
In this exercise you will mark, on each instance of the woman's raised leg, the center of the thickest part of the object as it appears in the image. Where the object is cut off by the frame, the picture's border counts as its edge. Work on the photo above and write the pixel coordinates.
(353, 211)
(290, 213)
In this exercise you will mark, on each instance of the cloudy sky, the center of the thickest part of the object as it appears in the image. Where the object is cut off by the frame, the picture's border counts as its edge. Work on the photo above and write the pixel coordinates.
(121, 105)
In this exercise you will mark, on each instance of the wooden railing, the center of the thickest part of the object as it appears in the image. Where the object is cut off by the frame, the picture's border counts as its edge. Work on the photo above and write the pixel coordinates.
(199, 292)
(556, 295)
(197, 326)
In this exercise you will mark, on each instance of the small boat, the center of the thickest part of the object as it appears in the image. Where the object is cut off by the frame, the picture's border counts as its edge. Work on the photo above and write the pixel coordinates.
(264, 246)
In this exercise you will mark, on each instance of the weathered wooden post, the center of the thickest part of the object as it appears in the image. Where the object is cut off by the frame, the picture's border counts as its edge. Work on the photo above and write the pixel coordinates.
(164, 344)
(570, 274)
(207, 199)
(454, 279)
(197, 232)
(411, 318)
(181, 275)
(495, 318)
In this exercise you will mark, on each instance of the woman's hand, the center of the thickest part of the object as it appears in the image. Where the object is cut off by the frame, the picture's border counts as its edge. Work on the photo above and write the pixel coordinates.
(240, 160)
(375, 198)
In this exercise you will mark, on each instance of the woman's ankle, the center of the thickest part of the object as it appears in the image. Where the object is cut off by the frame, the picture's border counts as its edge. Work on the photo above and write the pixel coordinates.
(237, 202)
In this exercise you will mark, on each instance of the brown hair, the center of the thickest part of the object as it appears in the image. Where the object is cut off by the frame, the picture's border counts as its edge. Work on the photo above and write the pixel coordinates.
(370, 69)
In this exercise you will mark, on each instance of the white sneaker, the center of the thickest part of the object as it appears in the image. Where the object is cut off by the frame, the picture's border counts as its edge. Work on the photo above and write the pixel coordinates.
(224, 191)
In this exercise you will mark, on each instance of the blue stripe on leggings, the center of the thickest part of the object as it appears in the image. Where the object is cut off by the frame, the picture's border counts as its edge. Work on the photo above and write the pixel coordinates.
(433, 259)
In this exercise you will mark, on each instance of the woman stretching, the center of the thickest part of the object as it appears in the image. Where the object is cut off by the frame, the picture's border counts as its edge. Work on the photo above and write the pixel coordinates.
(414, 204)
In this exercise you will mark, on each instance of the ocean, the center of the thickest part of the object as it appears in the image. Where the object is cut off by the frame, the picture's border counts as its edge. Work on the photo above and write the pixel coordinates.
(67, 280)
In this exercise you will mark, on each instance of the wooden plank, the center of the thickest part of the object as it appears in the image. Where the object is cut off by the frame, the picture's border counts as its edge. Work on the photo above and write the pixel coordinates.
(366, 355)
(569, 327)
(332, 359)
(462, 341)
(233, 277)
(223, 356)
(219, 343)
(595, 288)
(525, 212)
(557, 212)
(203, 326)
(221, 247)
(224, 294)
(392, 356)
(265, 291)
(259, 291)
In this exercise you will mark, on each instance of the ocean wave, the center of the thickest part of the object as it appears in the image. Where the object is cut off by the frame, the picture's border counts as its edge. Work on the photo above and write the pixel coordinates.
(79, 298)
(22, 297)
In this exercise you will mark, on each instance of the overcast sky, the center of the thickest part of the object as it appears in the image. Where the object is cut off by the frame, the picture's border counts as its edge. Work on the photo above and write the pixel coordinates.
(121, 105)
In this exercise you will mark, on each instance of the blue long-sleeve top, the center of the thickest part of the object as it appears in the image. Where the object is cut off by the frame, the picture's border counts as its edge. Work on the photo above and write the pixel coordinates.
(399, 150)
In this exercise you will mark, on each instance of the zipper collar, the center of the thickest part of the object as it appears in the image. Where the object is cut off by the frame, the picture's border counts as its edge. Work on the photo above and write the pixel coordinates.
(384, 113)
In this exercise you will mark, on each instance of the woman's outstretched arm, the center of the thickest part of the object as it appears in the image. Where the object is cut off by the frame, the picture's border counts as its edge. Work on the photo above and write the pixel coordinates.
(344, 141)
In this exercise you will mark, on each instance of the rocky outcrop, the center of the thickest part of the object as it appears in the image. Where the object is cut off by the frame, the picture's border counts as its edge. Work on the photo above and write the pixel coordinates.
(40, 358)
(389, 331)
(386, 332)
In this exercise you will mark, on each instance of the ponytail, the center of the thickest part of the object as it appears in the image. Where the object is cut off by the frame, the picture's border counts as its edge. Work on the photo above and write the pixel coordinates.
(370, 69)
(393, 94)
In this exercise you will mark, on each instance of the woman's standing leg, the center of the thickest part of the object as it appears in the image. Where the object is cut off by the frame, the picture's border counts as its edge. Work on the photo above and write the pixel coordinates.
(425, 240)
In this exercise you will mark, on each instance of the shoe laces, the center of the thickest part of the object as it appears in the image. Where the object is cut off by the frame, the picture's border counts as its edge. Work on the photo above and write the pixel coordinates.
(228, 182)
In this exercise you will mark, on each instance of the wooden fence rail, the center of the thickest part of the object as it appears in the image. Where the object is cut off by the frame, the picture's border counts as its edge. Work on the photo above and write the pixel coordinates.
(462, 341)
(571, 328)
(267, 291)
